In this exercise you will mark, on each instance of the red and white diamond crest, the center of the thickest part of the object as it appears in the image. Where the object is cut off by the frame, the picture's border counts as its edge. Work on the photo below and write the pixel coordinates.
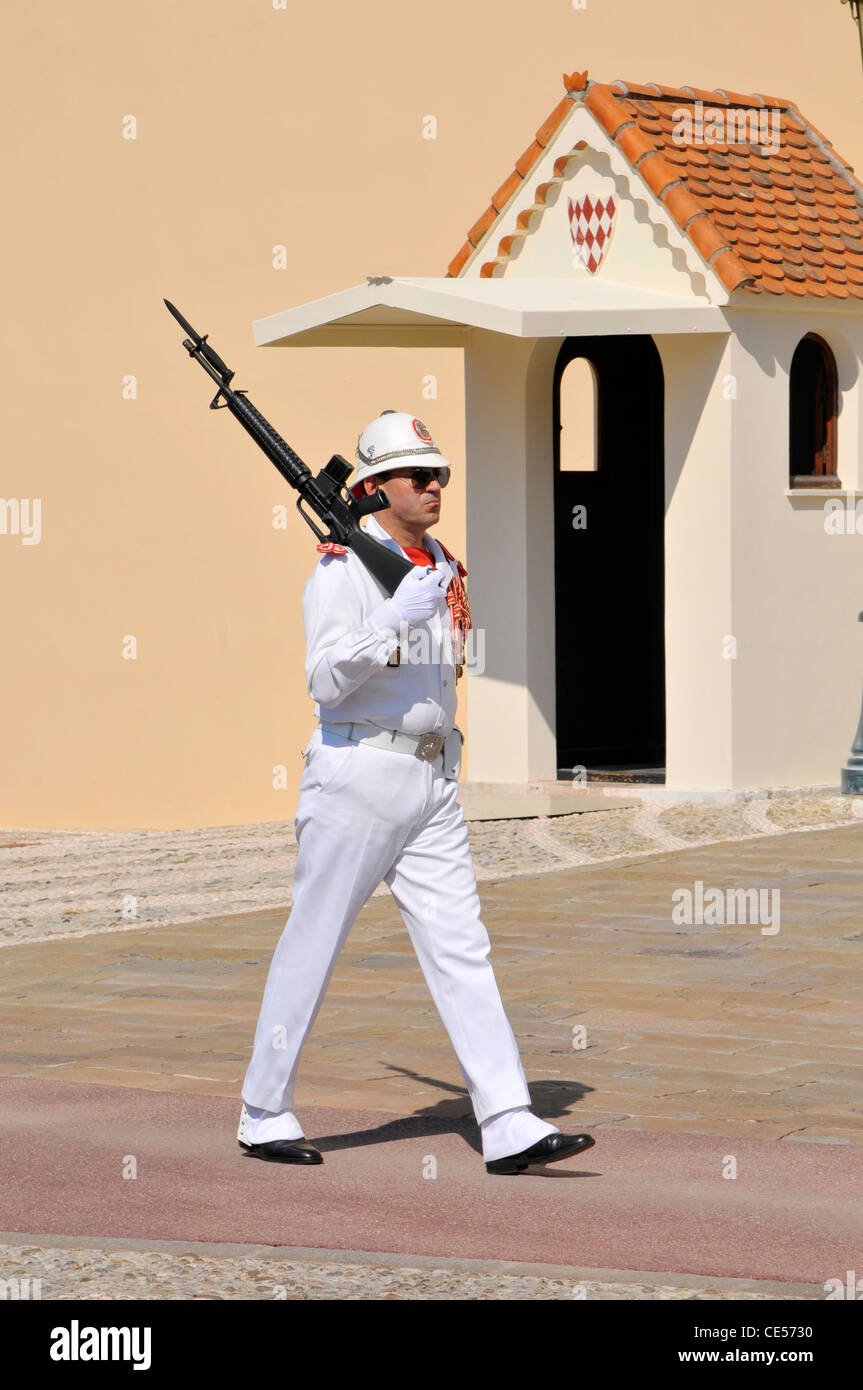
(591, 223)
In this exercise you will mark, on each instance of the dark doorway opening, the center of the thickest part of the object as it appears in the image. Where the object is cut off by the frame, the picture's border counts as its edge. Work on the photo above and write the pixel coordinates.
(609, 513)
(814, 395)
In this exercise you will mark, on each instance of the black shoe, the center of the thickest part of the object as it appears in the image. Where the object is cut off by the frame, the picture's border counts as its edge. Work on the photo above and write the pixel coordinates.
(551, 1149)
(285, 1151)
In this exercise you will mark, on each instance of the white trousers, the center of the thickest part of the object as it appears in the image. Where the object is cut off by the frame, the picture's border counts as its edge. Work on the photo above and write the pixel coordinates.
(365, 815)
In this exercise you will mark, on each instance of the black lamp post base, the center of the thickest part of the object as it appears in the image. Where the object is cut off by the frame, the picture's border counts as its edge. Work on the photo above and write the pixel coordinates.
(851, 783)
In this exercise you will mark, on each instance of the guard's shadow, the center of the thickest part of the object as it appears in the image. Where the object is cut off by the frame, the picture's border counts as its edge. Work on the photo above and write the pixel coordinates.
(550, 1100)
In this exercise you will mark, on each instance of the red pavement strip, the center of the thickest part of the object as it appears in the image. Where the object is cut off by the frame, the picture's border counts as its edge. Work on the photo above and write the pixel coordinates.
(638, 1200)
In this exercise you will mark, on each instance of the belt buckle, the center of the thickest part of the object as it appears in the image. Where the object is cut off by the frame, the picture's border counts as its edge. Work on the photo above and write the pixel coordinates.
(429, 747)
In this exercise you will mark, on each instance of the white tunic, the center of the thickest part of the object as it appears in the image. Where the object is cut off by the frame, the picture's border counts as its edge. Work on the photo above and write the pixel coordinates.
(352, 629)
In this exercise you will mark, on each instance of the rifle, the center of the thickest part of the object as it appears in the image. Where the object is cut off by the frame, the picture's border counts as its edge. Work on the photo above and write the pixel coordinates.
(340, 513)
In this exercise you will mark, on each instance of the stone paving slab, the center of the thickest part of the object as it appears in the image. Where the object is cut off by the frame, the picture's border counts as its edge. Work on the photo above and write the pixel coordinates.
(417, 1186)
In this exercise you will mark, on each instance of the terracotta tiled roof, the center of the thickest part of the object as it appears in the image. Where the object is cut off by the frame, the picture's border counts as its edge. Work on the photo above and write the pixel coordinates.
(790, 222)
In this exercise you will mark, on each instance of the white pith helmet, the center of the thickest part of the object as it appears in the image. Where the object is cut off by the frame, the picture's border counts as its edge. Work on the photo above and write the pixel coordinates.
(396, 439)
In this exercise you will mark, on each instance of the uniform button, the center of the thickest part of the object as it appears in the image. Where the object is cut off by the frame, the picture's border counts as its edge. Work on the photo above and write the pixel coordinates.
(446, 682)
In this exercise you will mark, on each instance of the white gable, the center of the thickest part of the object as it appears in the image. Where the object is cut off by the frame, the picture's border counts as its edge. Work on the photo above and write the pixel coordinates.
(646, 248)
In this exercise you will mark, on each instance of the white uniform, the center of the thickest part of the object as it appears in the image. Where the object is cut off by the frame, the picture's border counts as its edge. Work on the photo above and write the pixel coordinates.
(368, 814)
(352, 629)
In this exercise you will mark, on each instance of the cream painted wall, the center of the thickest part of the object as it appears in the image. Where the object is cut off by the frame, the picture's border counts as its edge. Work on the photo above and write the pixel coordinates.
(698, 530)
(257, 128)
(503, 567)
(797, 590)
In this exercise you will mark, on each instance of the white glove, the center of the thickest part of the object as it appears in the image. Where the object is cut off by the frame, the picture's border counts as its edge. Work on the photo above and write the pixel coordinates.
(420, 593)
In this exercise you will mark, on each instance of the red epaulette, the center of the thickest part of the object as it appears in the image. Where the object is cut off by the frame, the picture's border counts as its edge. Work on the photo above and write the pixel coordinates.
(330, 548)
(461, 569)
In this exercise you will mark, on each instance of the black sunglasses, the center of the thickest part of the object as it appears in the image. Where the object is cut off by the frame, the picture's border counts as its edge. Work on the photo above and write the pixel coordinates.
(421, 477)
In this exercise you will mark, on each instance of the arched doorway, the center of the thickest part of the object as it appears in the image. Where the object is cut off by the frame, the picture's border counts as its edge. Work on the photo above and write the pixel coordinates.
(609, 510)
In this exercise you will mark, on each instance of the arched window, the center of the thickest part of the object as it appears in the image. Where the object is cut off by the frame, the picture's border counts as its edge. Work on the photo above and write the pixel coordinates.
(579, 411)
(813, 408)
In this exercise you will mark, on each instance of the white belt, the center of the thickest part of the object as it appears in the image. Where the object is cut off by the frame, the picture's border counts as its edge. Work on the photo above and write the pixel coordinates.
(425, 746)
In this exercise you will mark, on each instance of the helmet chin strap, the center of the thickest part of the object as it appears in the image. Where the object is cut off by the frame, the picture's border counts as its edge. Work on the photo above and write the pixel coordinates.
(376, 501)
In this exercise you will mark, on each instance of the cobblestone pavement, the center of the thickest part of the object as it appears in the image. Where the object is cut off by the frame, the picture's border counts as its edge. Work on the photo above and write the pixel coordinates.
(62, 884)
(696, 1028)
(637, 1020)
(73, 1272)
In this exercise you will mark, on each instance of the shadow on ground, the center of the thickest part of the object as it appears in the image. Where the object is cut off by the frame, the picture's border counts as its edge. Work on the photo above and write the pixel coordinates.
(550, 1100)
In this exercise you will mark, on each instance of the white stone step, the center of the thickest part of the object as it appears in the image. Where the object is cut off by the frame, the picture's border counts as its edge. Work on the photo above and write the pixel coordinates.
(526, 800)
